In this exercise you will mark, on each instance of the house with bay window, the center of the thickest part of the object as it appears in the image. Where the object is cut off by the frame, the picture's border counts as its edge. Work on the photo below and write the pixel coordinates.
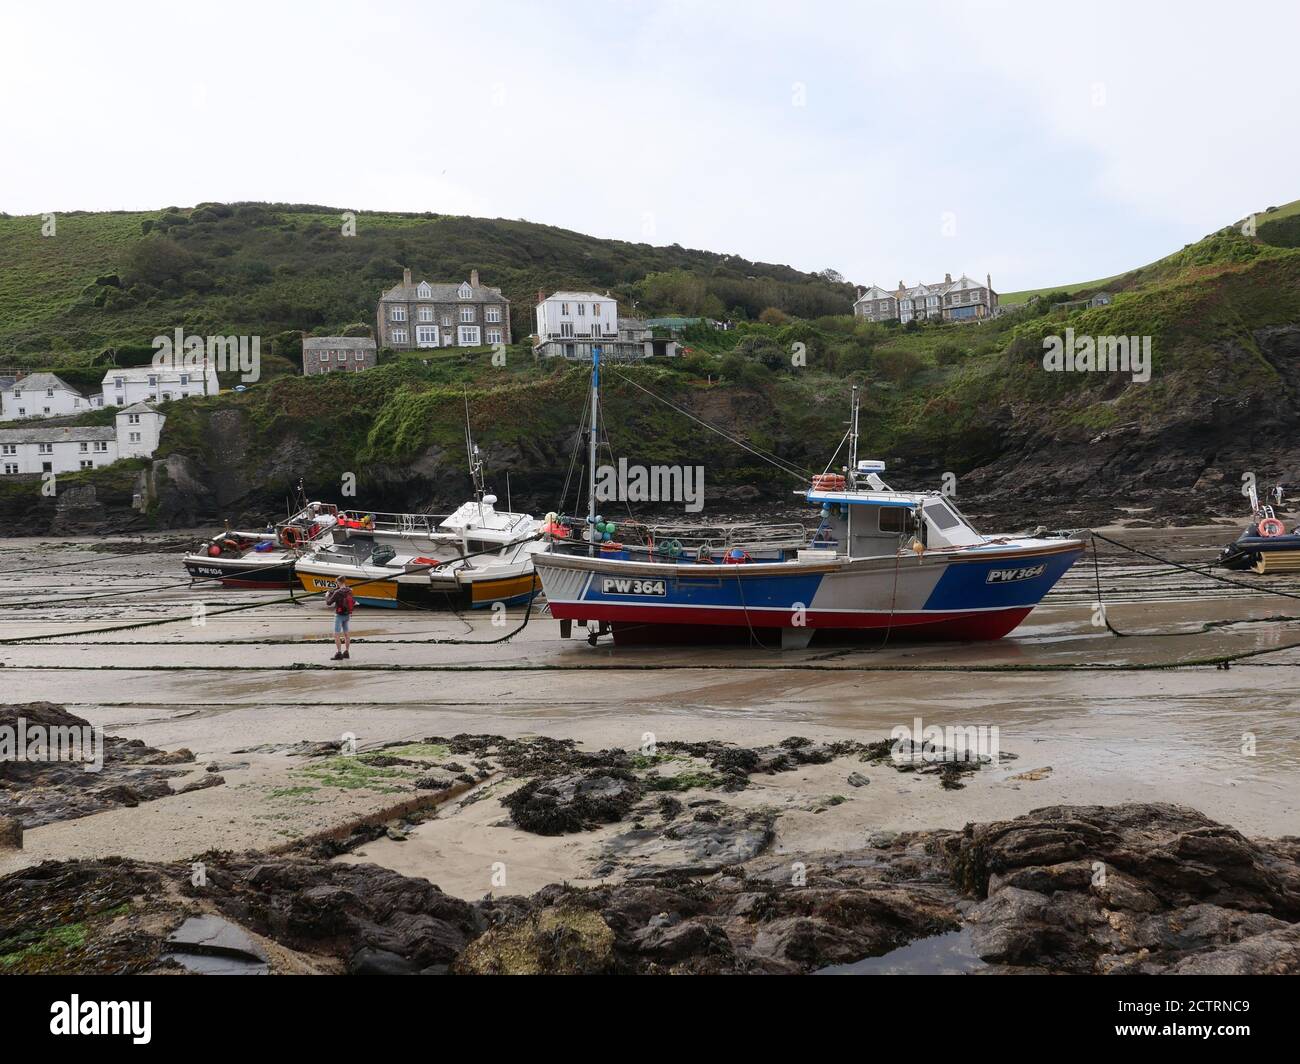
(946, 300)
(423, 314)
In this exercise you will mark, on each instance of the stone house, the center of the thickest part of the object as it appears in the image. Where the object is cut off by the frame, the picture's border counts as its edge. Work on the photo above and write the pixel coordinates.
(337, 354)
(420, 314)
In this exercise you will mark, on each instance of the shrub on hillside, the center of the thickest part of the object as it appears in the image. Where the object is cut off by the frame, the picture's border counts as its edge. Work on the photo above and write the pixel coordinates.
(156, 261)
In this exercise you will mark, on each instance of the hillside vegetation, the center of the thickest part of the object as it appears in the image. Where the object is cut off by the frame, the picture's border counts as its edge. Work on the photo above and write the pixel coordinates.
(1223, 316)
(274, 270)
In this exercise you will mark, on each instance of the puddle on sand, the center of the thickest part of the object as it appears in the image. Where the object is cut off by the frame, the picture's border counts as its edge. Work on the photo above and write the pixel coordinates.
(947, 954)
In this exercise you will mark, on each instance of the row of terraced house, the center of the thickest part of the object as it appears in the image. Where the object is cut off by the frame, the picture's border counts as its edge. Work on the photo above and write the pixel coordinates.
(946, 300)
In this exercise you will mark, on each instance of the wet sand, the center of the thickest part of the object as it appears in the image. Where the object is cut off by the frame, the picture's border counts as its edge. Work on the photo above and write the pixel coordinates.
(1070, 699)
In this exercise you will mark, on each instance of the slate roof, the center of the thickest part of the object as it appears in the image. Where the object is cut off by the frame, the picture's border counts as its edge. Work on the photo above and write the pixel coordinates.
(40, 381)
(443, 293)
(334, 343)
(73, 434)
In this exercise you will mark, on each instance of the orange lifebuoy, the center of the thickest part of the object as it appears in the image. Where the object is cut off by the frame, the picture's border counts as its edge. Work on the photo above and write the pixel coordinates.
(1270, 527)
(291, 536)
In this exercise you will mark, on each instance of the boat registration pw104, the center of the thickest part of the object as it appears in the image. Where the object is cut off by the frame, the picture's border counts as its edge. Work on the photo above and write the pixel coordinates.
(1005, 576)
(624, 585)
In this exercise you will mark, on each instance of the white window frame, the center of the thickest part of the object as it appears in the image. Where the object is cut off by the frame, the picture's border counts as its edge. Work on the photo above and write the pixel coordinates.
(397, 314)
(492, 314)
(399, 336)
(425, 314)
(469, 336)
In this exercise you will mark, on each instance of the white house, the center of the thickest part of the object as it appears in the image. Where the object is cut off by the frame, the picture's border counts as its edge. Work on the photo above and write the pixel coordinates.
(69, 448)
(576, 314)
(139, 428)
(570, 324)
(41, 395)
(126, 386)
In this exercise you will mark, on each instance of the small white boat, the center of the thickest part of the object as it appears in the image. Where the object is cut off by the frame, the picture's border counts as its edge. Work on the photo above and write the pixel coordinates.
(263, 559)
(472, 558)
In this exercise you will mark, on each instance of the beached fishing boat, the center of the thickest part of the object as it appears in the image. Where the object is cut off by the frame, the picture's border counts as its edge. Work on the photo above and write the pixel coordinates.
(1265, 545)
(887, 563)
(472, 558)
(263, 559)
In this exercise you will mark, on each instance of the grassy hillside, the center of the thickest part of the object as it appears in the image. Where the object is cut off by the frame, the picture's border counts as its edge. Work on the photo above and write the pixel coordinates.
(118, 279)
(1277, 226)
(970, 398)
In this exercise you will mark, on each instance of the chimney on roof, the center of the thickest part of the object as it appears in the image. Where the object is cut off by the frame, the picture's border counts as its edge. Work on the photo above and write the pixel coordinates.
(406, 276)
(473, 278)
(988, 281)
(947, 278)
(541, 295)
(901, 286)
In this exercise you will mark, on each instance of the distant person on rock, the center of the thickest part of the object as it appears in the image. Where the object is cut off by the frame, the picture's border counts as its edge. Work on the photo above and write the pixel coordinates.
(344, 602)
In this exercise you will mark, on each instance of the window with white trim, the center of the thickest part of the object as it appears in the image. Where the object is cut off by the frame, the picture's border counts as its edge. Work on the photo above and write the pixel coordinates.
(426, 314)
(492, 314)
(426, 335)
(397, 314)
(494, 336)
(135, 437)
(469, 336)
(465, 291)
(466, 314)
(399, 336)
(45, 448)
(9, 448)
(425, 291)
(101, 446)
(83, 448)
(11, 467)
(87, 463)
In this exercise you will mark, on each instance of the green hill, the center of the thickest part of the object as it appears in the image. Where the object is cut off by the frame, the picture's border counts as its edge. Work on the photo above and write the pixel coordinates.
(118, 279)
(1278, 226)
(1222, 315)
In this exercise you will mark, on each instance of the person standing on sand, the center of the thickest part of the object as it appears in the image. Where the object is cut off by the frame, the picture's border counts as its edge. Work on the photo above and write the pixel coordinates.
(343, 601)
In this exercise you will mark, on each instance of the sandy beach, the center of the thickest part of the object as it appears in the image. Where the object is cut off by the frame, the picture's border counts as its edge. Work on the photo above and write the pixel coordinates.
(1086, 718)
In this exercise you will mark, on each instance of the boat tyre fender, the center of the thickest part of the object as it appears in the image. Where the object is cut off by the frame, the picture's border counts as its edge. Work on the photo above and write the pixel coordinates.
(1270, 527)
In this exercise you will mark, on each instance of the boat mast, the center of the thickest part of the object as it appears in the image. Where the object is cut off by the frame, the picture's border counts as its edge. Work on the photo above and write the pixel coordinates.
(475, 465)
(853, 439)
(591, 452)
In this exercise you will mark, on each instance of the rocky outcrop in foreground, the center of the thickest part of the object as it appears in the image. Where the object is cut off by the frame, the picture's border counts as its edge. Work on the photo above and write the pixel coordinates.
(37, 789)
(1146, 888)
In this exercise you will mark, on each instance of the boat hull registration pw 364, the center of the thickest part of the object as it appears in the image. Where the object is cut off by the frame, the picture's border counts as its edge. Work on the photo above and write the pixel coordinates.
(899, 564)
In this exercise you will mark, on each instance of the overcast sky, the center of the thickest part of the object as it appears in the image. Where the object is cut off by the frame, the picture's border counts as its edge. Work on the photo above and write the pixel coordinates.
(1043, 143)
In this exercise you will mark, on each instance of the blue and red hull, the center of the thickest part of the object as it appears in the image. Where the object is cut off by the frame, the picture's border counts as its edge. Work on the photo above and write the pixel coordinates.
(973, 594)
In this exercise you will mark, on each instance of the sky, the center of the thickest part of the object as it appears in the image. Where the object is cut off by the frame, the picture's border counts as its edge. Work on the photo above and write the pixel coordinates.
(1041, 143)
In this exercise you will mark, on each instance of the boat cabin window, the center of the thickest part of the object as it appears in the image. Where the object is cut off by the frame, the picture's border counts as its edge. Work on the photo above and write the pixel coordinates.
(945, 528)
(893, 519)
(941, 516)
